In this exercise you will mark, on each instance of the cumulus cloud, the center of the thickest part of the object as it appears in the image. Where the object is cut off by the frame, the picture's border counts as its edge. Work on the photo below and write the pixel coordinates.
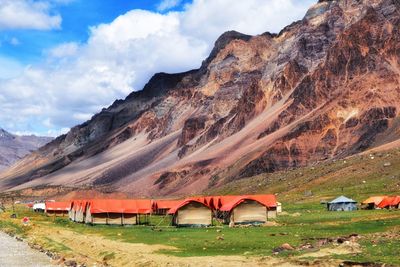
(78, 80)
(168, 4)
(28, 14)
(64, 50)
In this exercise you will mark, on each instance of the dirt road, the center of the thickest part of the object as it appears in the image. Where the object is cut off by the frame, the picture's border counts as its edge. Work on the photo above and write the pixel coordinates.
(14, 253)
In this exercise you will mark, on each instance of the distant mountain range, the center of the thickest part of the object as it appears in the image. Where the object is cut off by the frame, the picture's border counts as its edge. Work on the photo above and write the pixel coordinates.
(325, 87)
(14, 147)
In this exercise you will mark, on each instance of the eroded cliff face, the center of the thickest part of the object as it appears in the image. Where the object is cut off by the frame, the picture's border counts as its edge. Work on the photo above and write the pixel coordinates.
(325, 87)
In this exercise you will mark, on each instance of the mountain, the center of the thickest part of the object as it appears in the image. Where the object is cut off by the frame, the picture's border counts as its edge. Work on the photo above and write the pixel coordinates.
(14, 147)
(325, 87)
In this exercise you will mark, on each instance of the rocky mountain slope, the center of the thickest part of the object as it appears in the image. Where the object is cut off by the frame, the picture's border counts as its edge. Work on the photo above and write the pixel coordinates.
(325, 87)
(14, 147)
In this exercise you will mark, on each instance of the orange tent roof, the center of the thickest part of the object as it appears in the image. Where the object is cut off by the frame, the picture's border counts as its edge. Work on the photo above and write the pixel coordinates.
(58, 206)
(79, 204)
(389, 201)
(186, 202)
(132, 206)
(165, 204)
(266, 200)
(373, 200)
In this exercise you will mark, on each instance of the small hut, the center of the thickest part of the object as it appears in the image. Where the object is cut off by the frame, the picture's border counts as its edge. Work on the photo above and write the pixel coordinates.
(342, 203)
(58, 209)
(255, 209)
(372, 203)
(191, 213)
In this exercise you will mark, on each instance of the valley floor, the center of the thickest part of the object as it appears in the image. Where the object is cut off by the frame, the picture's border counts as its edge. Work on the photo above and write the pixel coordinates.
(318, 238)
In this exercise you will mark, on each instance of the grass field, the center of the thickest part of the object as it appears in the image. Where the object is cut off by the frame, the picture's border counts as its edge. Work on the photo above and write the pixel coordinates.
(379, 232)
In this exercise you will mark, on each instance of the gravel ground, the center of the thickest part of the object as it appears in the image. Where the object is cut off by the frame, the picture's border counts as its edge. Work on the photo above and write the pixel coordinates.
(14, 253)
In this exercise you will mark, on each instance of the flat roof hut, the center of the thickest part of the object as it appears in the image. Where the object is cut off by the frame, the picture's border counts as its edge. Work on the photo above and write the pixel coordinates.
(390, 203)
(117, 212)
(58, 209)
(372, 203)
(342, 203)
(191, 213)
(249, 209)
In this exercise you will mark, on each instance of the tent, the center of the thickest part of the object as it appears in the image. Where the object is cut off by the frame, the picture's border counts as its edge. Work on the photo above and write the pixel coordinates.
(372, 202)
(342, 203)
(58, 208)
(191, 213)
(250, 209)
(161, 207)
(390, 203)
(117, 212)
(77, 211)
(39, 207)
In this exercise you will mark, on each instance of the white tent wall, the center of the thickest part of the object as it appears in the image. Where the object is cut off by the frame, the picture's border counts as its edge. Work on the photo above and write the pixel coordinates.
(129, 219)
(249, 211)
(272, 213)
(71, 214)
(114, 218)
(194, 214)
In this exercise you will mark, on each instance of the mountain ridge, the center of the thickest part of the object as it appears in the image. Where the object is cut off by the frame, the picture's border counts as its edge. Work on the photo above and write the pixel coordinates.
(14, 147)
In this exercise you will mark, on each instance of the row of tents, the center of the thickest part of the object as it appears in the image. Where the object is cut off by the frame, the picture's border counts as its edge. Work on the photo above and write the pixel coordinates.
(382, 202)
(343, 203)
(198, 211)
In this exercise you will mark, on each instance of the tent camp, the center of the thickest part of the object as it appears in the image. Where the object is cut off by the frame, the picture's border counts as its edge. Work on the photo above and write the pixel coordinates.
(162, 207)
(249, 209)
(39, 207)
(191, 213)
(342, 203)
(372, 203)
(390, 203)
(58, 208)
(117, 212)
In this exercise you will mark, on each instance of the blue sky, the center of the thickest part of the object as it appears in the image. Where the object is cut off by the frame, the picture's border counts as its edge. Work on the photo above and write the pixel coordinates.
(61, 61)
(77, 17)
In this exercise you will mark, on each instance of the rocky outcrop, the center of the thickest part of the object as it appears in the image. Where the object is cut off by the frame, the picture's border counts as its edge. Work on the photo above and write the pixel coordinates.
(325, 87)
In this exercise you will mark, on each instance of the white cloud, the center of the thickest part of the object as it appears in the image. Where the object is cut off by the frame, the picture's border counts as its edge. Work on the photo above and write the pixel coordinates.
(168, 4)
(64, 50)
(27, 14)
(78, 80)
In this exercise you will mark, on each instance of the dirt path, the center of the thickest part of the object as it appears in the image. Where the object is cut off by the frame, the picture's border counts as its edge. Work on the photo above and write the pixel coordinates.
(18, 254)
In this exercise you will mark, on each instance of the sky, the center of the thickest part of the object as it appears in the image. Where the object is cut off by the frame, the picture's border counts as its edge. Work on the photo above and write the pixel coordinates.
(62, 61)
